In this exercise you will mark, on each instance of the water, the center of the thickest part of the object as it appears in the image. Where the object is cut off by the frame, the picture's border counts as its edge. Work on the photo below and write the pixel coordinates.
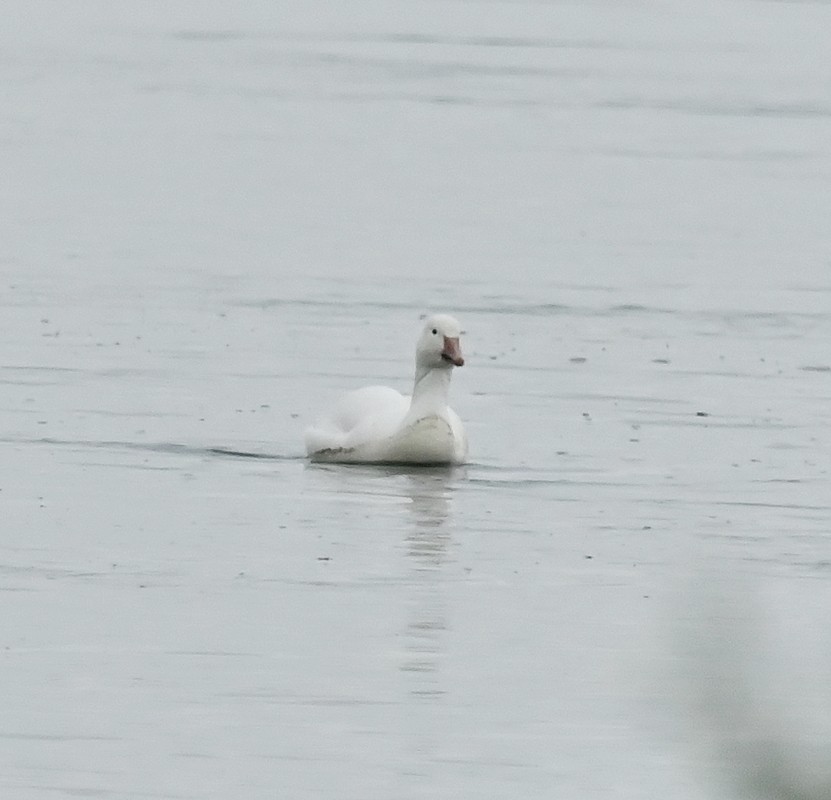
(216, 218)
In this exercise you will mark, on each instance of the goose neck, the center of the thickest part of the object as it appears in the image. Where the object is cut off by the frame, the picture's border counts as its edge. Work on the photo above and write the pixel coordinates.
(431, 389)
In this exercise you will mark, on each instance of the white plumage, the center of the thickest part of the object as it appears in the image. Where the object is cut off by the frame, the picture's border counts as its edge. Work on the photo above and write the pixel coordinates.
(379, 425)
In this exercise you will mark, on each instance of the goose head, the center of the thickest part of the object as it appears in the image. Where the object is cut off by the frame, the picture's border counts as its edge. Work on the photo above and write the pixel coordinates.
(438, 346)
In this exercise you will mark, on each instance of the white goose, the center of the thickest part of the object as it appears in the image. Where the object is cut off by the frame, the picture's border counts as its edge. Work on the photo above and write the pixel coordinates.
(380, 425)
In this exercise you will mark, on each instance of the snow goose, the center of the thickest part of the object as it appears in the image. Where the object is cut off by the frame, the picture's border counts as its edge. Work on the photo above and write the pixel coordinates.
(378, 425)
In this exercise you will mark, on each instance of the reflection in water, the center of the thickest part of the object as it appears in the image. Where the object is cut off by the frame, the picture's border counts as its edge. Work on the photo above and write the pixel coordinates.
(427, 542)
(429, 492)
(427, 496)
(420, 501)
(425, 635)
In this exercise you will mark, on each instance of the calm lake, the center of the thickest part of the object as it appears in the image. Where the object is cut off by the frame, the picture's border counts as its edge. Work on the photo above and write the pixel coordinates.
(217, 217)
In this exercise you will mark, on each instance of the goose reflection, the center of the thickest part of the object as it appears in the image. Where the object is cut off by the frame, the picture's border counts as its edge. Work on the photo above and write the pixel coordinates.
(428, 538)
(430, 494)
(422, 507)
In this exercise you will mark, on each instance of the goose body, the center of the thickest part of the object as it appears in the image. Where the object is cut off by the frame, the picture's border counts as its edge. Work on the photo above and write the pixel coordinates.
(379, 425)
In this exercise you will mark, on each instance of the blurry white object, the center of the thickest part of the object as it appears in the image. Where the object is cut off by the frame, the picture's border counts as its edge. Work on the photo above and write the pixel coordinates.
(760, 692)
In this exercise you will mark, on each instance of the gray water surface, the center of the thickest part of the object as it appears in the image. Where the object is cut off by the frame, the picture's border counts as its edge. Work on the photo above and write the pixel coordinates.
(216, 218)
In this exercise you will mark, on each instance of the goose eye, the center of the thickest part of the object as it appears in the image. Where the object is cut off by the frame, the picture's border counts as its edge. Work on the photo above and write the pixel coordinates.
(434, 331)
